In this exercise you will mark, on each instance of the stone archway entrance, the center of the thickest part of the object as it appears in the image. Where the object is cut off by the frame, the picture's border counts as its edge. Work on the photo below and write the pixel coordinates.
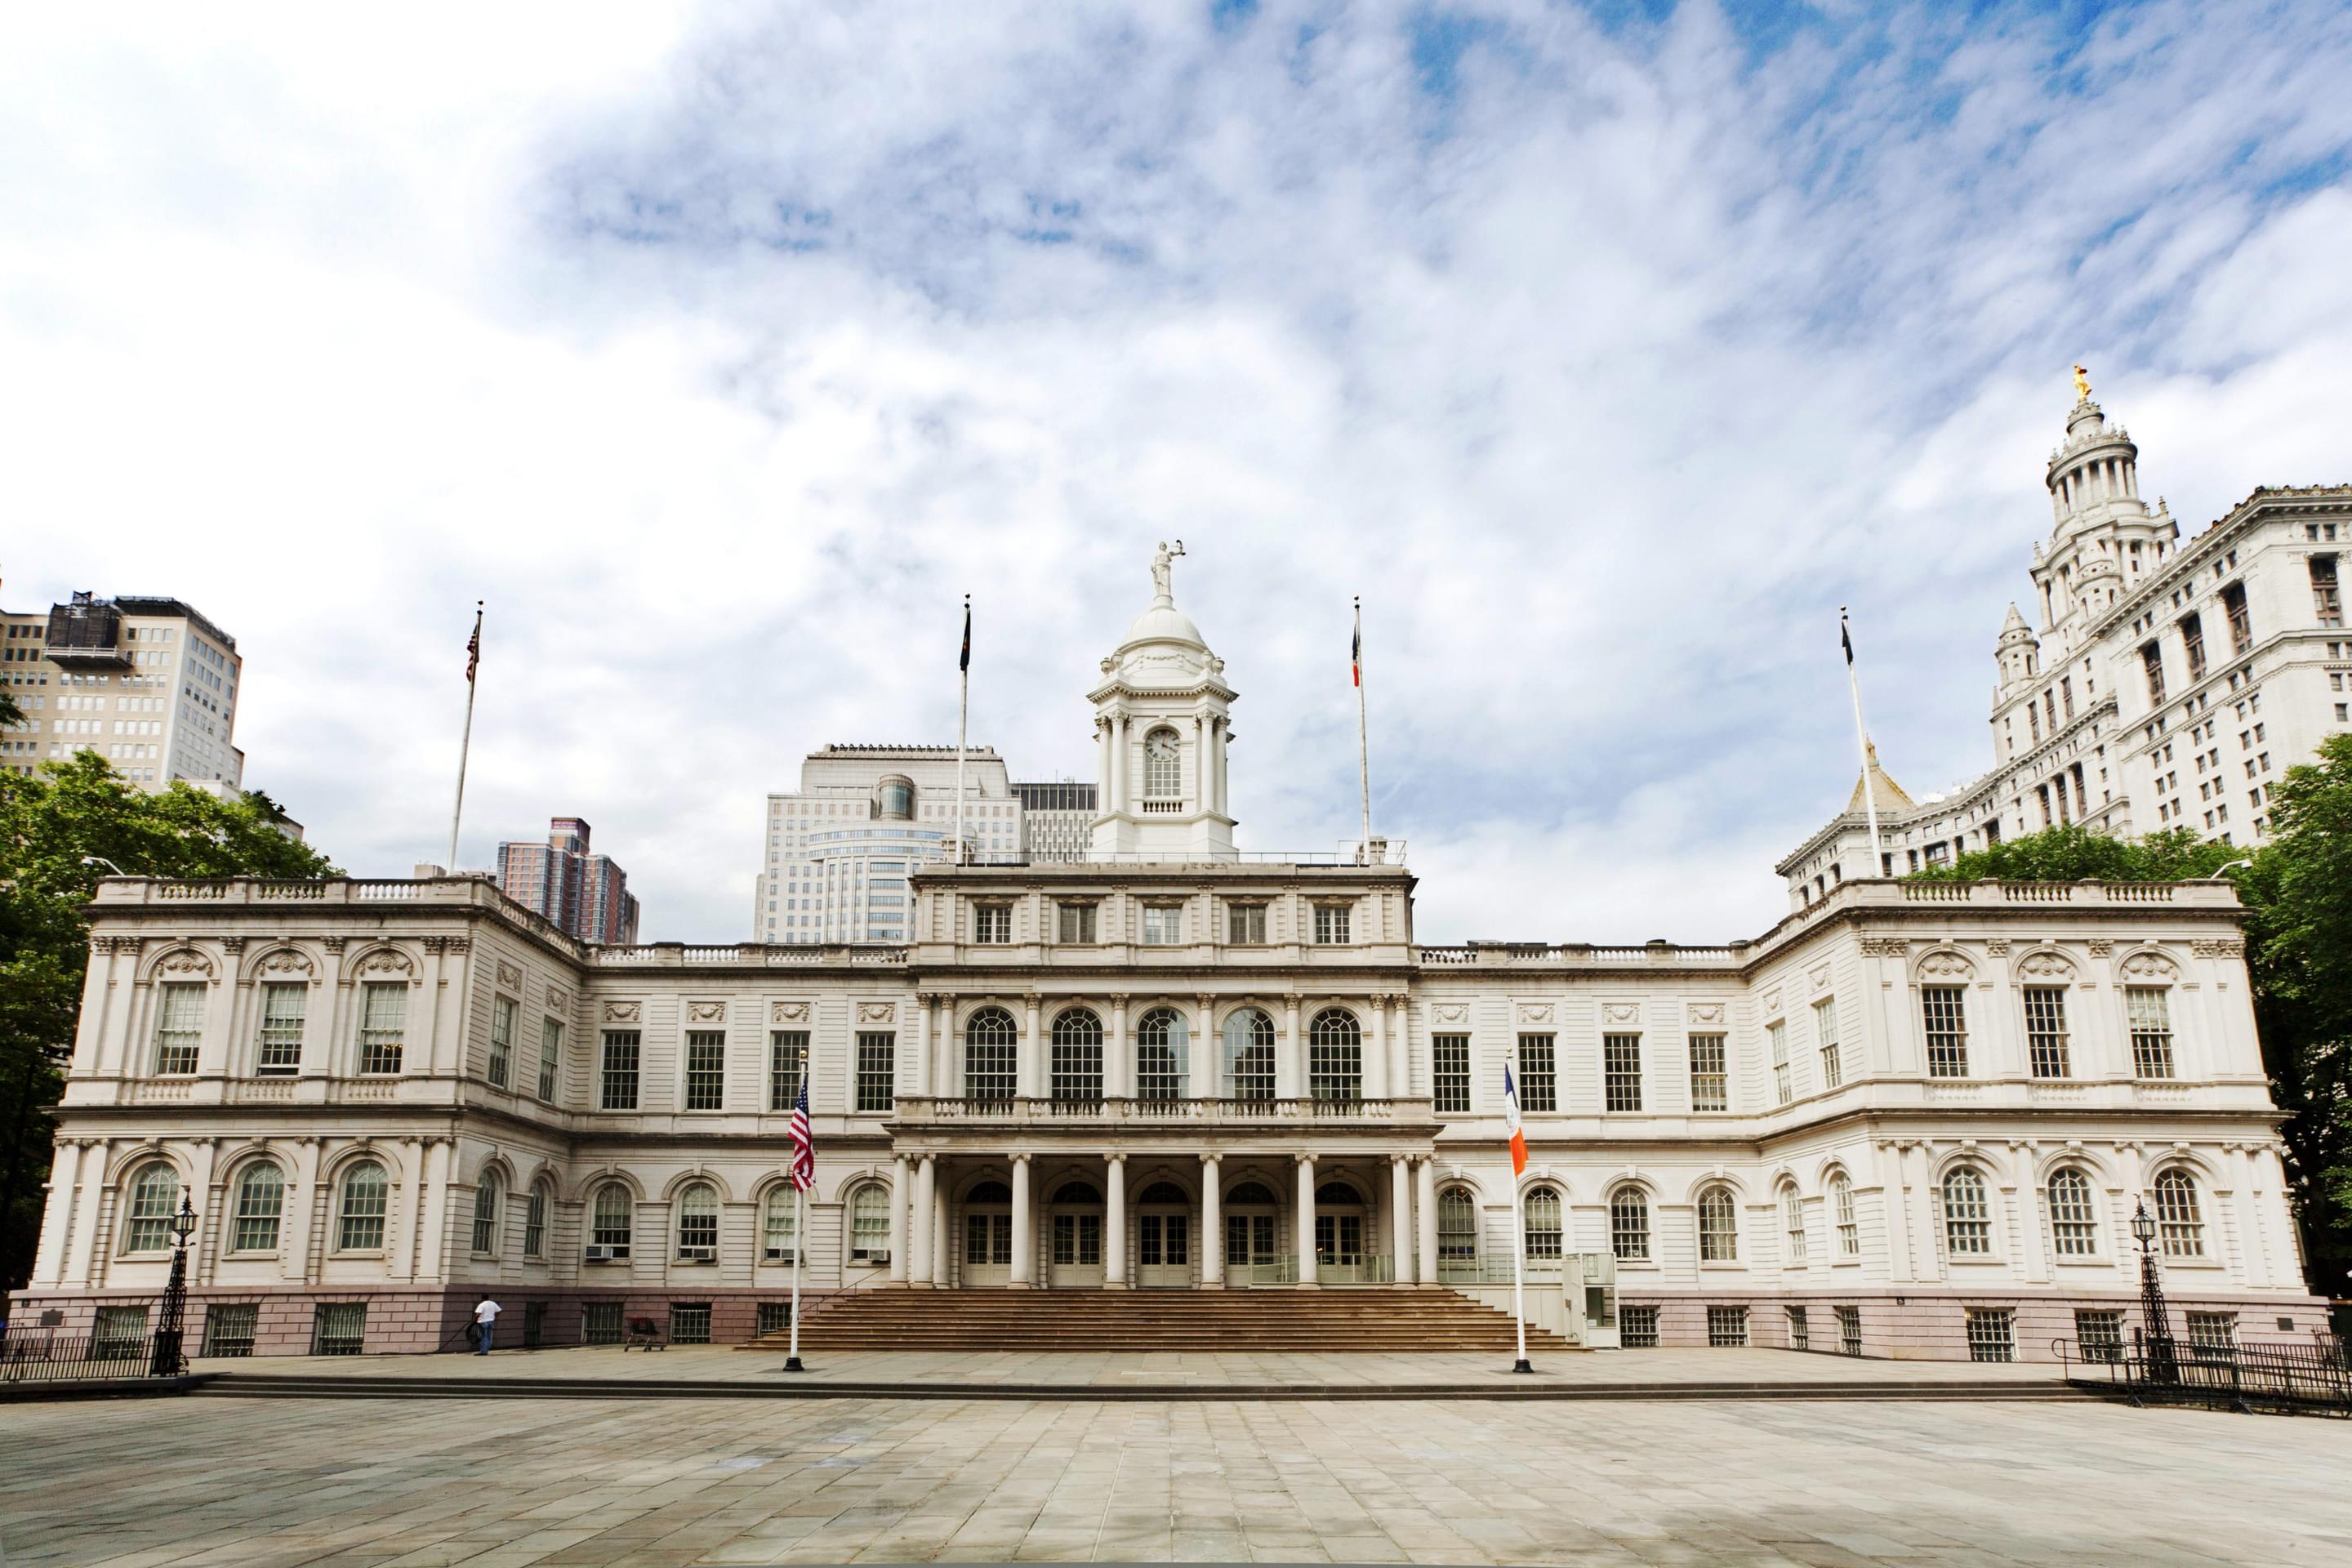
(1163, 1237)
(1341, 1219)
(988, 1236)
(1251, 1213)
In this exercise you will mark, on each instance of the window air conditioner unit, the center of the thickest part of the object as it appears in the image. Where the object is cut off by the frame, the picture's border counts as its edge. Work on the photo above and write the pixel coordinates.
(604, 1254)
(780, 1255)
(697, 1254)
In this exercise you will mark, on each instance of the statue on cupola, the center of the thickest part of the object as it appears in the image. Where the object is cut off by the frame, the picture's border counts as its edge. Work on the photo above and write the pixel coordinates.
(1163, 572)
(1161, 724)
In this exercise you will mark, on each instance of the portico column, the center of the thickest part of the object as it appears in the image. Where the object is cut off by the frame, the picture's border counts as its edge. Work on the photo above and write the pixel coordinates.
(1288, 1082)
(1213, 1230)
(1026, 1076)
(1305, 1222)
(1119, 1062)
(1401, 1214)
(899, 1198)
(940, 1270)
(919, 1245)
(1425, 1203)
(1024, 1227)
(1376, 1055)
(1115, 1222)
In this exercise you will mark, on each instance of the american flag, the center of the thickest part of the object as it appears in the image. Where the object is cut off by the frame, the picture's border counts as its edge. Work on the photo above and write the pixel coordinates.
(474, 650)
(803, 1144)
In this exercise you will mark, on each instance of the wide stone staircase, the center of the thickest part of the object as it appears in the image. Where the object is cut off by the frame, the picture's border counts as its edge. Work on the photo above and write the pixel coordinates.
(1357, 1318)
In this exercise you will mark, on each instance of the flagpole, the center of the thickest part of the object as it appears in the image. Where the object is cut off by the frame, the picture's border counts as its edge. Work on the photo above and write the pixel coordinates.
(466, 744)
(963, 712)
(1862, 734)
(1363, 748)
(1519, 1279)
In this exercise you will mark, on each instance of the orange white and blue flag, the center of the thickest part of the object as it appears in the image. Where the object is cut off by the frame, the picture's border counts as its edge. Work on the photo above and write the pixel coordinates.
(1511, 1121)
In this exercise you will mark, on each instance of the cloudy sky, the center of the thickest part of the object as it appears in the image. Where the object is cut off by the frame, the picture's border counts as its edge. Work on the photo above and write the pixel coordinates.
(1604, 350)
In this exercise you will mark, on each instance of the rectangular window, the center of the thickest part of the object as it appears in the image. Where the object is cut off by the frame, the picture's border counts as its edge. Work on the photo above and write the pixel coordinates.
(1163, 924)
(118, 1333)
(1621, 1060)
(599, 1323)
(1331, 924)
(2193, 637)
(1637, 1328)
(2045, 1031)
(1849, 1320)
(178, 1026)
(689, 1322)
(1245, 925)
(1784, 1082)
(773, 1317)
(551, 1056)
(339, 1328)
(1711, 1080)
(1538, 1084)
(2242, 627)
(1801, 1337)
(2152, 1030)
(877, 1074)
(1825, 1035)
(785, 1049)
(706, 1070)
(992, 923)
(1943, 1009)
(2212, 1336)
(1992, 1334)
(1450, 1074)
(2152, 658)
(620, 1071)
(383, 1023)
(282, 1010)
(1077, 923)
(502, 1035)
(229, 1327)
(1726, 1327)
(2327, 597)
(2099, 1335)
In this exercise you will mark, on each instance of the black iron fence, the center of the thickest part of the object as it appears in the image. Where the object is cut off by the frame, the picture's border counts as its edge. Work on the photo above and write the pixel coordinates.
(40, 1355)
(2310, 1376)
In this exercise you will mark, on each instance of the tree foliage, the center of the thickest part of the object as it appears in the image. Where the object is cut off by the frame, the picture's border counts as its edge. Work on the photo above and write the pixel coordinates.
(50, 824)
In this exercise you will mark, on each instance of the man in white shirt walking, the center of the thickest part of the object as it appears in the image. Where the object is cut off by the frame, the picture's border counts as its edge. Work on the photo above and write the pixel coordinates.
(486, 1318)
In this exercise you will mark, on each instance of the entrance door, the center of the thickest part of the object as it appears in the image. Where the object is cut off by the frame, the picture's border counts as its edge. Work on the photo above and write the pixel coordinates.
(1163, 1240)
(988, 1236)
(1249, 1233)
(1338, 1234)
(1077, 1238)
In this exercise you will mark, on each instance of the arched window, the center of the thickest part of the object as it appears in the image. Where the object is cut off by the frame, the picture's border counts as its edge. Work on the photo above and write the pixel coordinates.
(1166, 1195)
(1335, 1056)
(2073, 1224)
(1544, 1229)
(869, 1224)
(1162, 1051)
(1792, 1221)
(698, 1221)
(991, 1045)
(1163, 771)
(1339, 1194)
(486, 1198)
(1458, 1227)
(1841, 1210)
(534, 1222)
(1249, 1054)
(1077, 1056)
(1718, 1227)
(1074, 1193)
(615, 1218)
(1629, 1222)
(1250, 1192)
(366, 1199)
(154, 1196)
(260, 1200)
(1968, 1218)
(2179, 1223)
(988, 1193)
(779, 1222)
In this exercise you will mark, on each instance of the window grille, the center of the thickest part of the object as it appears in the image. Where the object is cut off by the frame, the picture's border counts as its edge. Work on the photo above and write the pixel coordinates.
(876, 1071)
(486, 1213)
(283, 1011)
(1457, 1225)
(2149, 1011)
(779, 1223)
(1992, 1334)
(179, 1027)
(154, 1198)
(339, 1328)
(1162, 1055)
(615, 1217)
(785, 1048)
(229, 1327)
(1075, 922)
(1849, 1232)
(689, 1322)
(2241, 628)
(1629, 1224)
(1538, 1084)
(1801, 1336)
(599, 1323)
(1245, 925)
(2327, 597)
(698, 1218)
(1825, 1035)
(1726, 1327)
(502, 1039)
(1249, 1054)
(534, 1224)
(384, 1022)
(1710, 1080)
(117, 1333)
(991, 1048)
(1335, 1056)
(366, 1200)
(1331, 924)
(1620, 1057)
(1849, 1321)
(1162, 766)
(992, 923)
(620, 1076)
(2179, 1223)
(1637, 1328)
(1718, 1227)
(260, 1202)
(2073, 1224)
(1944, 1010)
(1544, 1232)
(774, 1317)
(1968, 1215)
(1784, 1082)
(706, 1070)
(2045, 1030)
(2212, 1335)
(1792, 1221)
(2099, 1335)
(869, 1223)
(1449, 1056)
(551, 1056)
(1163, 925)
(1077, 1056)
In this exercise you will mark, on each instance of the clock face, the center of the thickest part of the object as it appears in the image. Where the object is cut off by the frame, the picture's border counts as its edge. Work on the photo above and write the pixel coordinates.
(1160, 748)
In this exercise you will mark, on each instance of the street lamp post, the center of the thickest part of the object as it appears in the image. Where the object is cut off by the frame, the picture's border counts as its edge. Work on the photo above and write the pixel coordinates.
(2161, 1365)
(168, 1361)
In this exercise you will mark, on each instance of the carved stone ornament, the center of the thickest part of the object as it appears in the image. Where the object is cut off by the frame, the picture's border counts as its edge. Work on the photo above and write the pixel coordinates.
(386, 961)
(2217, 947)
(2047, 967)
(1818, 977)
(333, 943)
(558, 1000)
(706, 1011)
(459, 944)
(285, 961)
(1535, 1012)
(1947, 964)
(1621, 1012)
(1998, 947)
(2150, 966)
(1450, 1011)
(187, 961)
(1707, 1013)
(876, 1011)
(1771, 1002)
(788, 1013)
(1884, 947)
(2101, 947)
(509, 975)
(232, 945)
(625, 1012)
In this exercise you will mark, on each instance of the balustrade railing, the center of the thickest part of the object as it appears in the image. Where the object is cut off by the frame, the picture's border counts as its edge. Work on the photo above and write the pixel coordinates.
(997, 1110)
(40, 1355)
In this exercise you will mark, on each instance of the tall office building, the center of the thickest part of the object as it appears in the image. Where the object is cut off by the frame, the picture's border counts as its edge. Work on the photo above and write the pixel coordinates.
(147, 683)
(585, 894)
(1057, 820)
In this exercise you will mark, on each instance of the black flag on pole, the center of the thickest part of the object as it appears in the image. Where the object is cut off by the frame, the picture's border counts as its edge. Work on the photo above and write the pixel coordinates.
(1845, 637)
(963, 659)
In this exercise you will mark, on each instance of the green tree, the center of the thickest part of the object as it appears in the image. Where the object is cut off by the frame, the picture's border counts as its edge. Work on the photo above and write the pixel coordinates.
(56, 827)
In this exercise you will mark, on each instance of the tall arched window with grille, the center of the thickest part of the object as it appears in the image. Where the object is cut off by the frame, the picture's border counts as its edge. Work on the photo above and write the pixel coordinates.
(992, 1044)
(154, 1196)
(2074, 1223)
(366, 1201)
(869, 1224)
(698, 1221)
(780, 1222)
(1335, 1056)
(613, 1219)
(1792, 1223)
(2180, 1220)
(1163, 766)
(1629, 1222)
(1077, 1055)
(1849, 1232)
(1718, 1227)
(1163, 1053)
(260, 1202)
(1545, 1232)
(1249, 1054)
(488, 1197)
(1458, 1227)
(534, 1221)
(1968, 1215)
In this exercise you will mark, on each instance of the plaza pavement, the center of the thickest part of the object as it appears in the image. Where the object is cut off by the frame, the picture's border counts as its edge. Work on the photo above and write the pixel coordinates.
(408, 1483)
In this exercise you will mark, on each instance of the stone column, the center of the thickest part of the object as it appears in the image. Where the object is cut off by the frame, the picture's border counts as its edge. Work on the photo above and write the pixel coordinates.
(1289, 1055)
(64, 1178)
(1401, 1214)
(899, 1196)
(1115, 1222)
(1118, 1061)
(1213, 1229)
(303, 1213)
(1118, 801)
(919, 1244)
(927, 1028)
(1376, 1049)
(1029, 1077)
(1204, 1074)
(1303, 1227)
(1024, 1227)
(940, 1272)
(1425, 1210)
(221, 1019)
(1102, 764)
(2253, 1250)
(432, 1257)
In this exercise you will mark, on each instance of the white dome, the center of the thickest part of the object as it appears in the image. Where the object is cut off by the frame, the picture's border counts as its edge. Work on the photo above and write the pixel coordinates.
(1163, 623)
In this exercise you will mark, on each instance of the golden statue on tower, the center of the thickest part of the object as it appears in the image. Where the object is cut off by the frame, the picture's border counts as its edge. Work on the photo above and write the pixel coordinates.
(2081, 384)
